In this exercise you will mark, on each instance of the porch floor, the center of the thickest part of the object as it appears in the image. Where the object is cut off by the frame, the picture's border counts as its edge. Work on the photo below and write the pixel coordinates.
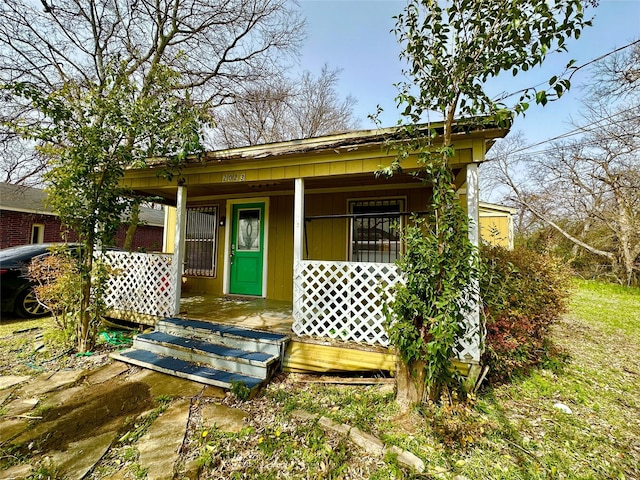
(303, 354)
(257, 313)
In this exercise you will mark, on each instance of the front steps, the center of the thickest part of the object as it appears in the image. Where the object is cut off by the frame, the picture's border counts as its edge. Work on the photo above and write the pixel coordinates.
(209, 353)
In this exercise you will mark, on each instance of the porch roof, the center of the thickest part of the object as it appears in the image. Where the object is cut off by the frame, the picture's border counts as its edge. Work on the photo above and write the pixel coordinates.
(343, 161)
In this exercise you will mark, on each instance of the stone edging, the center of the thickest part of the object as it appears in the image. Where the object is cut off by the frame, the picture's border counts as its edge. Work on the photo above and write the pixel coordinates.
(366, 441)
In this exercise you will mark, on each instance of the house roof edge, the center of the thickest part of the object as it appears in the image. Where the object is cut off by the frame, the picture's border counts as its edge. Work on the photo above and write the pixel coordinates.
(372, 137)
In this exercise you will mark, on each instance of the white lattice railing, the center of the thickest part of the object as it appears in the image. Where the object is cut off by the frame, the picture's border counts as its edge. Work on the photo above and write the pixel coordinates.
(141, 283)
(343, 300)
(469, 344)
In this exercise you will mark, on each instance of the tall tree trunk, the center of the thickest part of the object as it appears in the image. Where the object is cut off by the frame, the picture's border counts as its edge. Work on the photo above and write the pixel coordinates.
(84, 321)
(410, 384)
(625, 231)
(134, 219)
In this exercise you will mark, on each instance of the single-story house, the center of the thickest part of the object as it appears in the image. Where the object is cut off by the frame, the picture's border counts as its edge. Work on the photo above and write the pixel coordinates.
(26, 218)
(308, 222)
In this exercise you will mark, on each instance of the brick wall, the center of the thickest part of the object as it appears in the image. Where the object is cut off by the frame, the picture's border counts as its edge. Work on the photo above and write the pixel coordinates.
(147, 238)
(16, 228)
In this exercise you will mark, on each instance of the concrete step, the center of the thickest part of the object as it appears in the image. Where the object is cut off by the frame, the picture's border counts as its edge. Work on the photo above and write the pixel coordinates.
(227, 335)
(189, 370)
(219, 357)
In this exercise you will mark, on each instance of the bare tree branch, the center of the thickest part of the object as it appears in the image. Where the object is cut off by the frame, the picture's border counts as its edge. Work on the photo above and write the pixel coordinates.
(219, 47)
(285, 109)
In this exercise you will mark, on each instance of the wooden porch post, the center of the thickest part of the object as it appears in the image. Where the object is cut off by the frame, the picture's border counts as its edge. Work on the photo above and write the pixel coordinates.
(473, 198)
(298, 220)
(178, 248)
(298, 239)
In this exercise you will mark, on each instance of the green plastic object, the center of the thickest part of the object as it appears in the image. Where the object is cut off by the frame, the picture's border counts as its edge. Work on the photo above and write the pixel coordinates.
(115, 338)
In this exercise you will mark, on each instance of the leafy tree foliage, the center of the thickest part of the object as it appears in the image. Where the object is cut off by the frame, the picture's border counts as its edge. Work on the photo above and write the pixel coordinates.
(524, 292)
(452, 49)
(430, 307)
(90, 134)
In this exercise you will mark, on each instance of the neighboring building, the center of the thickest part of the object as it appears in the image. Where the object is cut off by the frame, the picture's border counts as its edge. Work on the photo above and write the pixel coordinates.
(496, 224)
(25, 218)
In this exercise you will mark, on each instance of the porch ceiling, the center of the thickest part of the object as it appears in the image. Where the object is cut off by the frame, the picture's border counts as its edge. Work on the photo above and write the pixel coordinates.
(210, 191)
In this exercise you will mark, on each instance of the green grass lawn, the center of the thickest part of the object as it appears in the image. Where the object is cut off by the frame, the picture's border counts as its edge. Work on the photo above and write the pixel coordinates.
(611, 308)
(514, 431)
(10, 324)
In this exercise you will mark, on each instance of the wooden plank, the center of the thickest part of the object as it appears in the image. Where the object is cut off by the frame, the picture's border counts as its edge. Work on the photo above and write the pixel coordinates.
(306, 171)
(322, 169)
(292, 171)
(353, 166)
(132, 317)
(309, 357)
(462, 367)
(277, 173)
(280, 261)
(338, 240)
(265, 174)
(374, 164)
(338, 168)
(303, 356)
(324, 379)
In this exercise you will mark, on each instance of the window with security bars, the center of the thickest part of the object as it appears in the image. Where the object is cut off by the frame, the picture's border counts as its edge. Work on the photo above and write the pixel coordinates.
(201, 241)
(375, 233)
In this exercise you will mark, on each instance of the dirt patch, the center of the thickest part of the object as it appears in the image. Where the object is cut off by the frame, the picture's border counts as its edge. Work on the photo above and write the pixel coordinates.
(97, 410)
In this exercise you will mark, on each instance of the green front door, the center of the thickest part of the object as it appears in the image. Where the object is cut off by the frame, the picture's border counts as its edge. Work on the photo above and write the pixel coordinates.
(247, 248)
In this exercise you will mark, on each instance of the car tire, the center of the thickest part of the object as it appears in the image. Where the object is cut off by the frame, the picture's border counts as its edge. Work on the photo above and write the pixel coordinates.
(27, 305)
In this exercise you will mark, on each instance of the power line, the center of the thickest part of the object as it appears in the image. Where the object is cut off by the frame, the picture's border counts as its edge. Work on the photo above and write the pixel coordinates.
(583, 144)
(573, 70)
(578, 130)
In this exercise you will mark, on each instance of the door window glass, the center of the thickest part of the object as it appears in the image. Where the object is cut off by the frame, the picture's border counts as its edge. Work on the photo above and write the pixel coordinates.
(248, 233)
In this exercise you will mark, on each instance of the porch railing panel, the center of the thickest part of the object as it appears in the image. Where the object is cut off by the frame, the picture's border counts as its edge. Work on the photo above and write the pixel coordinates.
(343, 301)
(142, 283)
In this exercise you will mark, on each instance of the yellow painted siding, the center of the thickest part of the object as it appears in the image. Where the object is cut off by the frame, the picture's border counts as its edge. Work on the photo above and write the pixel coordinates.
(203, 284)
(328, 239)
(280, 258)
(282, 168)
(325, 239)
(302, 356)
(494, 225)
(170, 229)
(494, 229)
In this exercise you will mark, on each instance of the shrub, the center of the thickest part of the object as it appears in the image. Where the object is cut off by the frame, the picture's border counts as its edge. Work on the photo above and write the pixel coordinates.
(523, 294)
(58, 287)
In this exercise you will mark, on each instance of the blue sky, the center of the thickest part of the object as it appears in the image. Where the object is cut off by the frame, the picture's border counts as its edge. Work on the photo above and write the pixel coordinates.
(354, 35)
